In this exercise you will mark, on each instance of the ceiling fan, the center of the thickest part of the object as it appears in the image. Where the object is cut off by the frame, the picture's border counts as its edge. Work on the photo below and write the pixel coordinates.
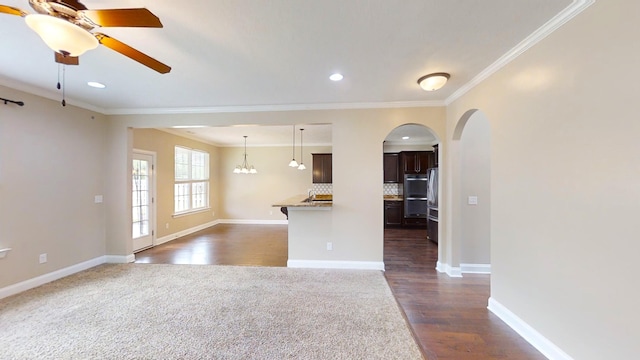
(66, 27)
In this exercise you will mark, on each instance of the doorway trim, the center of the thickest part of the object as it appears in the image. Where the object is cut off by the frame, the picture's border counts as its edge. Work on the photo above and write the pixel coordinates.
(153, 192)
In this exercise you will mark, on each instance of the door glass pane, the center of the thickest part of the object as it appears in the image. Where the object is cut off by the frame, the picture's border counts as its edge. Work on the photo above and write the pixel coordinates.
(140, 198)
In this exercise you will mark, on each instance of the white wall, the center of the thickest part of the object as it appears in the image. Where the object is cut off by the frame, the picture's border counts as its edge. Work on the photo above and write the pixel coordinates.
(51, 167)
(564, 182)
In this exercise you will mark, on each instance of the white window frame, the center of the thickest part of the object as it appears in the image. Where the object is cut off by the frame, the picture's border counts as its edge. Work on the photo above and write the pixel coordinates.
(194, 177)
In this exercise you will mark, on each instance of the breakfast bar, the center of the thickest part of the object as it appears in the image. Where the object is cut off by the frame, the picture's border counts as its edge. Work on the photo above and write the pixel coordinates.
(309, 230)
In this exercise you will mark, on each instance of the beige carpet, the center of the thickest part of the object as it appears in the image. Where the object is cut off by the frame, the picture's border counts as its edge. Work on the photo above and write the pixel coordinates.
(142, 311)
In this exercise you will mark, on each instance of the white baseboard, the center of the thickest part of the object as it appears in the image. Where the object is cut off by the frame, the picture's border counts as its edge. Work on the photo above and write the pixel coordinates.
(52, 276)
(331, 264)
(182, 233)
(120, 259)
(254, 222)
(546, 347)
(475, 268)
(449, 270)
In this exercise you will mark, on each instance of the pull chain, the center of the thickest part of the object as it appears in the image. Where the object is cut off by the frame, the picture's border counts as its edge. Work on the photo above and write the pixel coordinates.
(64, 103)
(60, 84)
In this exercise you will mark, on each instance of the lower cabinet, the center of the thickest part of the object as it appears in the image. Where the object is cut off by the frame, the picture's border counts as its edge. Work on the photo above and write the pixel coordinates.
(432, 230)
(414, 222)
(432, 223)
(392, 213)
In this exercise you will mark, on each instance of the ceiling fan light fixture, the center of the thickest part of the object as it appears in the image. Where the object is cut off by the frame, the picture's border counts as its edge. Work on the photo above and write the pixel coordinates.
(60, 35)
(433, 81)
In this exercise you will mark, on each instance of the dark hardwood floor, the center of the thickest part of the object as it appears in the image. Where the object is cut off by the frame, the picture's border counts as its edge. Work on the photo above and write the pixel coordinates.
(448, 316)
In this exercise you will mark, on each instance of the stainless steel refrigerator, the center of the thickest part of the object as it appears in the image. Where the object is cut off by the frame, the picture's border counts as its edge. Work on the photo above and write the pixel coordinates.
(432, 204)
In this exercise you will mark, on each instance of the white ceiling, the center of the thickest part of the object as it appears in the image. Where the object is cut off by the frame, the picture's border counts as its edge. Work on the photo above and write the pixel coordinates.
(242, 54)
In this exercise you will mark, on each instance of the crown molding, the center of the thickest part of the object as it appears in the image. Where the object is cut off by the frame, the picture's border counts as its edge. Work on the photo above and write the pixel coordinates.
(268, 108)
(575, 8)
(48, 94)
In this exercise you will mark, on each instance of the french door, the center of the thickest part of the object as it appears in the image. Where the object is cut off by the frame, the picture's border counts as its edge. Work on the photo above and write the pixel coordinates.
(142, 201)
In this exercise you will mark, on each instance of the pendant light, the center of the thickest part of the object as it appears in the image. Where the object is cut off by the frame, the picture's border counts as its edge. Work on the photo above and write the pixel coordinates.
(293, 162)
(245, 168)
(301, 167)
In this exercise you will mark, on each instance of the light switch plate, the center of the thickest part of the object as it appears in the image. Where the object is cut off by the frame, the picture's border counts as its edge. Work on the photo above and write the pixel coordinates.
(97, 199)
(472, 200)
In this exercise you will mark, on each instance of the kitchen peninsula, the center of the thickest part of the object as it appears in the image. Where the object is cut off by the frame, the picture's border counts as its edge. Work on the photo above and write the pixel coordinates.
(309, 231)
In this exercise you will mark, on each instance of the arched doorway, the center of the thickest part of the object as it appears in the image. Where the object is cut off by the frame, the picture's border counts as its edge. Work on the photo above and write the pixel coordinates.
(410, 167)
(470, 248)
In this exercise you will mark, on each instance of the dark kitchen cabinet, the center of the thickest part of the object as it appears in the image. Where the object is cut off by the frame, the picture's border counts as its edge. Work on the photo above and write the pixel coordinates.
(322, 173)
(415, 222)
(392, 168)
(392, 213)
(416, 162)
(432, 230)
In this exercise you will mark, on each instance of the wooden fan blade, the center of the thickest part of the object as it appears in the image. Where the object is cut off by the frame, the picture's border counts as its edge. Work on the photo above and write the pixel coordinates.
(65, 59)
(132, 53)
(140, 17)
(12, 11)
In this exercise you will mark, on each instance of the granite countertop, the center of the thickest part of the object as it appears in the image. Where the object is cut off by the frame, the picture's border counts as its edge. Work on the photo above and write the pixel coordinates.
(393, 198)
(299, 201)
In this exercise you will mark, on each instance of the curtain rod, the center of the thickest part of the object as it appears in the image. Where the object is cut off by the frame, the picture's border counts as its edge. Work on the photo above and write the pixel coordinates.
(19, 103)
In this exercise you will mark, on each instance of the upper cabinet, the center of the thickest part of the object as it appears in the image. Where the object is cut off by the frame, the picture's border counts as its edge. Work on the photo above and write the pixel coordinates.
(417, 162)
(322, 173)
(392, 168)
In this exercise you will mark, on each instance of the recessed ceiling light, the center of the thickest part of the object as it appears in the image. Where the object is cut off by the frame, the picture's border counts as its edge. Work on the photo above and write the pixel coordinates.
(96, 85)
(405, 138)
(336, 77)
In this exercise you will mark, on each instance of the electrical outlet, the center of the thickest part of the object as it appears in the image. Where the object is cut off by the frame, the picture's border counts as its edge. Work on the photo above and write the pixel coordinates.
(166, 226)
(270, 212)
(329, 246)
(43, 258)
(213, 213)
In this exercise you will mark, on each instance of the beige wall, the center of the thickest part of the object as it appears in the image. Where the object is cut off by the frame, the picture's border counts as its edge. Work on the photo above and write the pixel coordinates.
(249, 197)
(163, 144)
(565, 189)
(357, 214)
(235, 197)
(564, 181)
(475, 179)
(51, 168)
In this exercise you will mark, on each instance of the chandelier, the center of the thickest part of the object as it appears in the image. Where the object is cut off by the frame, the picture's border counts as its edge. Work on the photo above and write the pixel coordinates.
(244, 168)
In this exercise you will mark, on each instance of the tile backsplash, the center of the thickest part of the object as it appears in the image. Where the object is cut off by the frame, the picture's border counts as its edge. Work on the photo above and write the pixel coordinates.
(392, 189)
(323, 188)
(388, 189)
